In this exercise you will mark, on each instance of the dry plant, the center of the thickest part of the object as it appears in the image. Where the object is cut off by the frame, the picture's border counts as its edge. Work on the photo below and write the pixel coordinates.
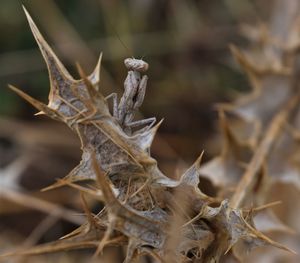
(172, 220)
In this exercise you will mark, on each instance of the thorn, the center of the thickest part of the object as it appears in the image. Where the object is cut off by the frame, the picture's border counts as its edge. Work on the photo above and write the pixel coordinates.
(94, 77)
(58, 184)
(39, 113)
(37, 104)
(90, 217)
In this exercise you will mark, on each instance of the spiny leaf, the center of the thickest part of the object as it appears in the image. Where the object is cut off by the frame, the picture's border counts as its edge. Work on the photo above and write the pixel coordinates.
(226, 170)
(139, 200)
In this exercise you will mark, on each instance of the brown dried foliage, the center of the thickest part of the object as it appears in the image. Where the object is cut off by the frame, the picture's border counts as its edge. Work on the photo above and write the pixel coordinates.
(172, 220)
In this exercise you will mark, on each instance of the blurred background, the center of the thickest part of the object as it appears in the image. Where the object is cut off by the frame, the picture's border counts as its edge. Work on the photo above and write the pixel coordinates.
(191, 68)
(185, 43)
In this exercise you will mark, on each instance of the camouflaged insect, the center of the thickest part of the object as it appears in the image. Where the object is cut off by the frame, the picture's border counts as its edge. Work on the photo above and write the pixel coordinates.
(170, 220)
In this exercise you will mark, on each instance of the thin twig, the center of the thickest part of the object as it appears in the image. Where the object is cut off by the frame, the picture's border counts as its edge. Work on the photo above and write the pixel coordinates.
(250, 176)
(41, 205)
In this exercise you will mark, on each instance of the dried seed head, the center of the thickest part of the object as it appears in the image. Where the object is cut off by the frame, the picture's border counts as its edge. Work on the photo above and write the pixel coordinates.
(136, 64)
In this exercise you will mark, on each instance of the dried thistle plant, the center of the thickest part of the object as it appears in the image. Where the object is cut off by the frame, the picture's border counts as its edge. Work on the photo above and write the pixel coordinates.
(144, 210)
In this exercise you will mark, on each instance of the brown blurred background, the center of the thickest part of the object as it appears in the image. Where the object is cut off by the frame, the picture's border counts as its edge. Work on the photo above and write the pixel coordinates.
(186, 45)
